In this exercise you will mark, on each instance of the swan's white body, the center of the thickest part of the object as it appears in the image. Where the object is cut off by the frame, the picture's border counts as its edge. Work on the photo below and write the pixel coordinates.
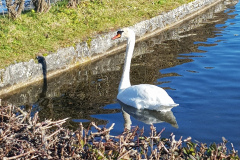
(142, 96)
(146, 96)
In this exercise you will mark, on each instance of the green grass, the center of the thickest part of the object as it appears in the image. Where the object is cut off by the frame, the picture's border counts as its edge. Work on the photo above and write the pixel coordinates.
(32, 33)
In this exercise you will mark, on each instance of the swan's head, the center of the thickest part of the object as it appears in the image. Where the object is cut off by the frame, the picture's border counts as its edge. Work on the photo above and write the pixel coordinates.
(124, 33)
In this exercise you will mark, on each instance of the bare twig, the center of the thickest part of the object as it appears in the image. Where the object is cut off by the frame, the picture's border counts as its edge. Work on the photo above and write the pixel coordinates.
(18, 156)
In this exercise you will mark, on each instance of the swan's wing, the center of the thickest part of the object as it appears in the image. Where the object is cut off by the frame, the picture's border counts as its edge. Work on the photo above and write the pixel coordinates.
(145, 96)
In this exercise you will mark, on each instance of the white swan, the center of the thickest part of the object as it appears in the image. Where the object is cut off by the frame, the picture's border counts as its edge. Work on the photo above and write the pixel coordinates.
(142, 96)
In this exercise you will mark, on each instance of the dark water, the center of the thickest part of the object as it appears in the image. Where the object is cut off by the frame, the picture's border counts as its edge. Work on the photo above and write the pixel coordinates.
(196, 62)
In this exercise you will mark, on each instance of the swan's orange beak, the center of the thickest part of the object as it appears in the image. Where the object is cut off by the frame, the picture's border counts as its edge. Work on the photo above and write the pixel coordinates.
(117, 36)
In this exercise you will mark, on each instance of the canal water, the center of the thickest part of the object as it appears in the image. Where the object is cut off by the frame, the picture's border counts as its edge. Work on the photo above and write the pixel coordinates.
(3, 6)
(196, 62)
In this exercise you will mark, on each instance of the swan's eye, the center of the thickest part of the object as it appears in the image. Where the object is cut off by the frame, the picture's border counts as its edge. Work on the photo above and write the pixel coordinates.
(119, 34)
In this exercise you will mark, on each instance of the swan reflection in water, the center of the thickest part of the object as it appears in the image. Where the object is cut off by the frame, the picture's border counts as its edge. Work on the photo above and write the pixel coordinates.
(146, 116)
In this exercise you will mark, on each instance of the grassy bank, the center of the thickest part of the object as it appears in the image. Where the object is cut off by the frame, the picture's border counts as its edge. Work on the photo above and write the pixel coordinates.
(61, 27)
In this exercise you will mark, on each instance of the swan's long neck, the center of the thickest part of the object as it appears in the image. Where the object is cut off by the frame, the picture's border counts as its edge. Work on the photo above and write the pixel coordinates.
(125, 80)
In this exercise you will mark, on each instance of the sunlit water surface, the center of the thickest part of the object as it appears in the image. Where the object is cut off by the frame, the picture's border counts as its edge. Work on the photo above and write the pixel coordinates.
(196, 62)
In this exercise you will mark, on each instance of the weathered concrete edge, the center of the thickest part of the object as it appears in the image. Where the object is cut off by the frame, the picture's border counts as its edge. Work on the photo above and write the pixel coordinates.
(82, 54)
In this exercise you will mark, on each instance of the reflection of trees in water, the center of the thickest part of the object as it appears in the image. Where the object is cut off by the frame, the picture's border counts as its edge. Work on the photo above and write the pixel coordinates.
(79, 102)
(83, 91)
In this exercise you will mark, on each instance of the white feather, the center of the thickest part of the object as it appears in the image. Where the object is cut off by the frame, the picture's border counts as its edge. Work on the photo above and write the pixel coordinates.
(146, 96)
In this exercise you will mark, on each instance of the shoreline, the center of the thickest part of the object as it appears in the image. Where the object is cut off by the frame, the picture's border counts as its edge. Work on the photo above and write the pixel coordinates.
(22, 74)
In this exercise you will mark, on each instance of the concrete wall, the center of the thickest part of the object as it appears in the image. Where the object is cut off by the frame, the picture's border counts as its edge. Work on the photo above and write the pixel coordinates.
(22, 74)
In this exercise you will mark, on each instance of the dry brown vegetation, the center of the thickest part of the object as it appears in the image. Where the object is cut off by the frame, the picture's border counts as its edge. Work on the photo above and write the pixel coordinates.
(24, 137)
